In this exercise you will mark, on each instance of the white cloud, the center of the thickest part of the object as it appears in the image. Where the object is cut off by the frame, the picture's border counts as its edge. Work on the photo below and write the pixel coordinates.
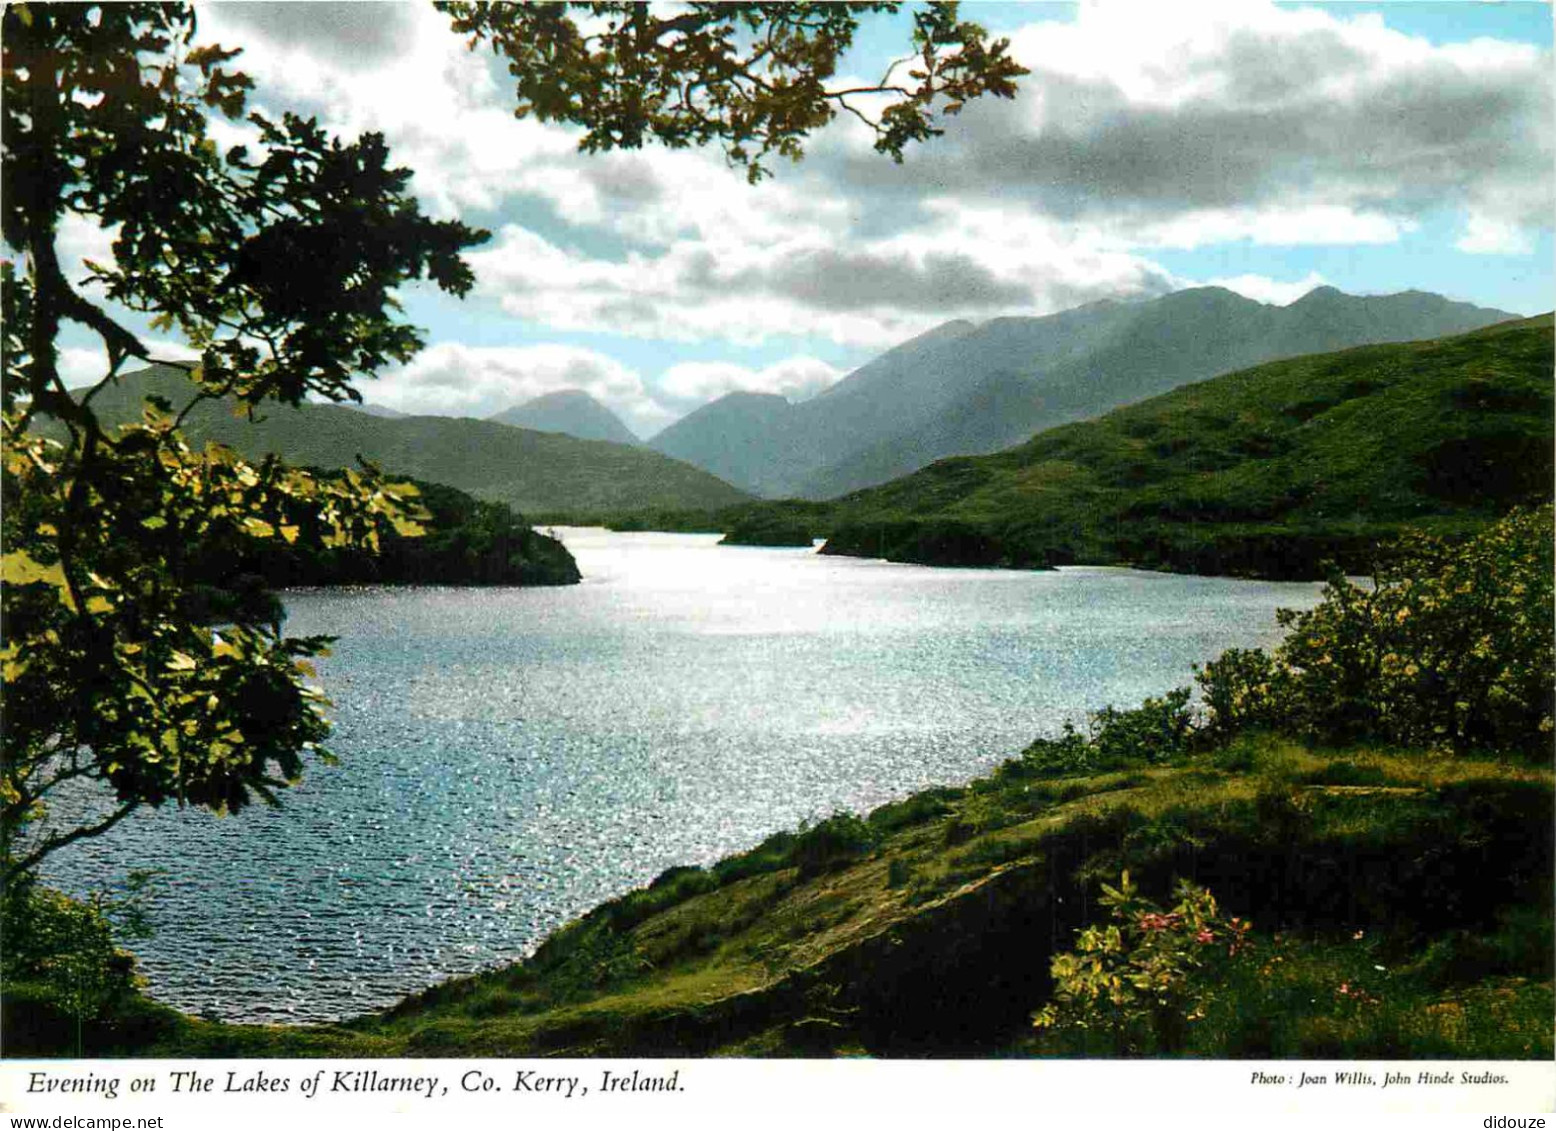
(451, 378)
(80, 366)
(795, 378)
(166, 349)
(1486, 235)
(1140, 119)
(351, 34)
(1261, 288)
(1319, 225)
(438, 104)
(79, 240)
(871, 295)
(87, 365)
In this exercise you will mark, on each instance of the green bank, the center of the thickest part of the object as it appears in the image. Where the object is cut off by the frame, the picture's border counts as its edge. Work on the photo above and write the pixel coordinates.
(928, 927)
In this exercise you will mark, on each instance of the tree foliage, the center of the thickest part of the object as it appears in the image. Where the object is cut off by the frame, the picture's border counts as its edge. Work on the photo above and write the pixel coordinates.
(753, 77)
(279, 267)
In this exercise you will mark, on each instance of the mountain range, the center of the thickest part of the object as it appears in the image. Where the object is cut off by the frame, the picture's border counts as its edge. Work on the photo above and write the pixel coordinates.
(964, 389)
(959, 389)
(530, 471)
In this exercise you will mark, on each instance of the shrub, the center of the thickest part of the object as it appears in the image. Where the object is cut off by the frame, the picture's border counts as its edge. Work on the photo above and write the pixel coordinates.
(673, 886)
(1153, 733)
(839, 839)
(772, 854)
(1244, 689)
(925, 805)
(979, 812)
(1071, 754)
(1451, 646)
(62, 959)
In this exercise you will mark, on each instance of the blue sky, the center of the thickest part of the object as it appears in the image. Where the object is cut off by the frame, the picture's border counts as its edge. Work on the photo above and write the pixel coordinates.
(1267, 148)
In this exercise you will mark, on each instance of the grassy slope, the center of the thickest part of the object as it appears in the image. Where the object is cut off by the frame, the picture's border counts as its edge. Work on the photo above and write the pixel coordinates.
(1265, 471)
(528, 470)
(935, 939)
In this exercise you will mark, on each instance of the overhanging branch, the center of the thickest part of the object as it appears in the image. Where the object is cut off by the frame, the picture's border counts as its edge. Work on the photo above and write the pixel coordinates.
(56, 841)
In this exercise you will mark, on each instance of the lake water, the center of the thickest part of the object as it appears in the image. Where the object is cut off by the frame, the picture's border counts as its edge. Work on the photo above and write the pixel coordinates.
(512, 757)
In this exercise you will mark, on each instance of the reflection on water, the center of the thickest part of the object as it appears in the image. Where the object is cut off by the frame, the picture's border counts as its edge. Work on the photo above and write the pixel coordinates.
(512, 757)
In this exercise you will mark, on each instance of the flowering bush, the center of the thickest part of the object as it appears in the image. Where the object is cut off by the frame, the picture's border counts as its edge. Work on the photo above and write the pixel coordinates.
(1142, 978)
(1450, 647)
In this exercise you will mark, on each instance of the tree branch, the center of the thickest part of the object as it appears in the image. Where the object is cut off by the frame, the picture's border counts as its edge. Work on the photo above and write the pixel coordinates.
(55, 842)
(76, 771)
(202, 395)
(860, 114)
(120, 342)
(841, 94)
(688, 21)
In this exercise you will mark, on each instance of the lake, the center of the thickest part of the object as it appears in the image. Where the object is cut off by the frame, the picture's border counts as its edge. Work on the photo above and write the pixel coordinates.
(512, 757)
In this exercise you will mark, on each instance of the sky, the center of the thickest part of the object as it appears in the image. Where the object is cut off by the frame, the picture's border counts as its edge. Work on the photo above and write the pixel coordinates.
(1267, 148)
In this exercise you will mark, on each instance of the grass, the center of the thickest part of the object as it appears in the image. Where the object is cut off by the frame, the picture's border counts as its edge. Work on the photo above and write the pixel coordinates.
(1343, 997)
(1355, 996)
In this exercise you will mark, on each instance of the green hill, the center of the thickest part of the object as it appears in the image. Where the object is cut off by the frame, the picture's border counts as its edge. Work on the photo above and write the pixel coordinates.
(1267, 471)
(530, 471)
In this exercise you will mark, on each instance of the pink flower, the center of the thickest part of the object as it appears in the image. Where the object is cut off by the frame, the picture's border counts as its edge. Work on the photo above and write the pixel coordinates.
(1205, 935)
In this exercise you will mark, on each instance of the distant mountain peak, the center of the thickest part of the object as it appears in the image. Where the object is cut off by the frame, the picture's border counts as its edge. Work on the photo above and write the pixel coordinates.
(376, 410)
(573, 412)
(562, 396)
(751, 396)
(952, 329)
(1203, 296)
(1326, 293)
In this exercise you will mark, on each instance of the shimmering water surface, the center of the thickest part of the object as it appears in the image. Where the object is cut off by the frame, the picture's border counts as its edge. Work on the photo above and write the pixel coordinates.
(512, 757)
